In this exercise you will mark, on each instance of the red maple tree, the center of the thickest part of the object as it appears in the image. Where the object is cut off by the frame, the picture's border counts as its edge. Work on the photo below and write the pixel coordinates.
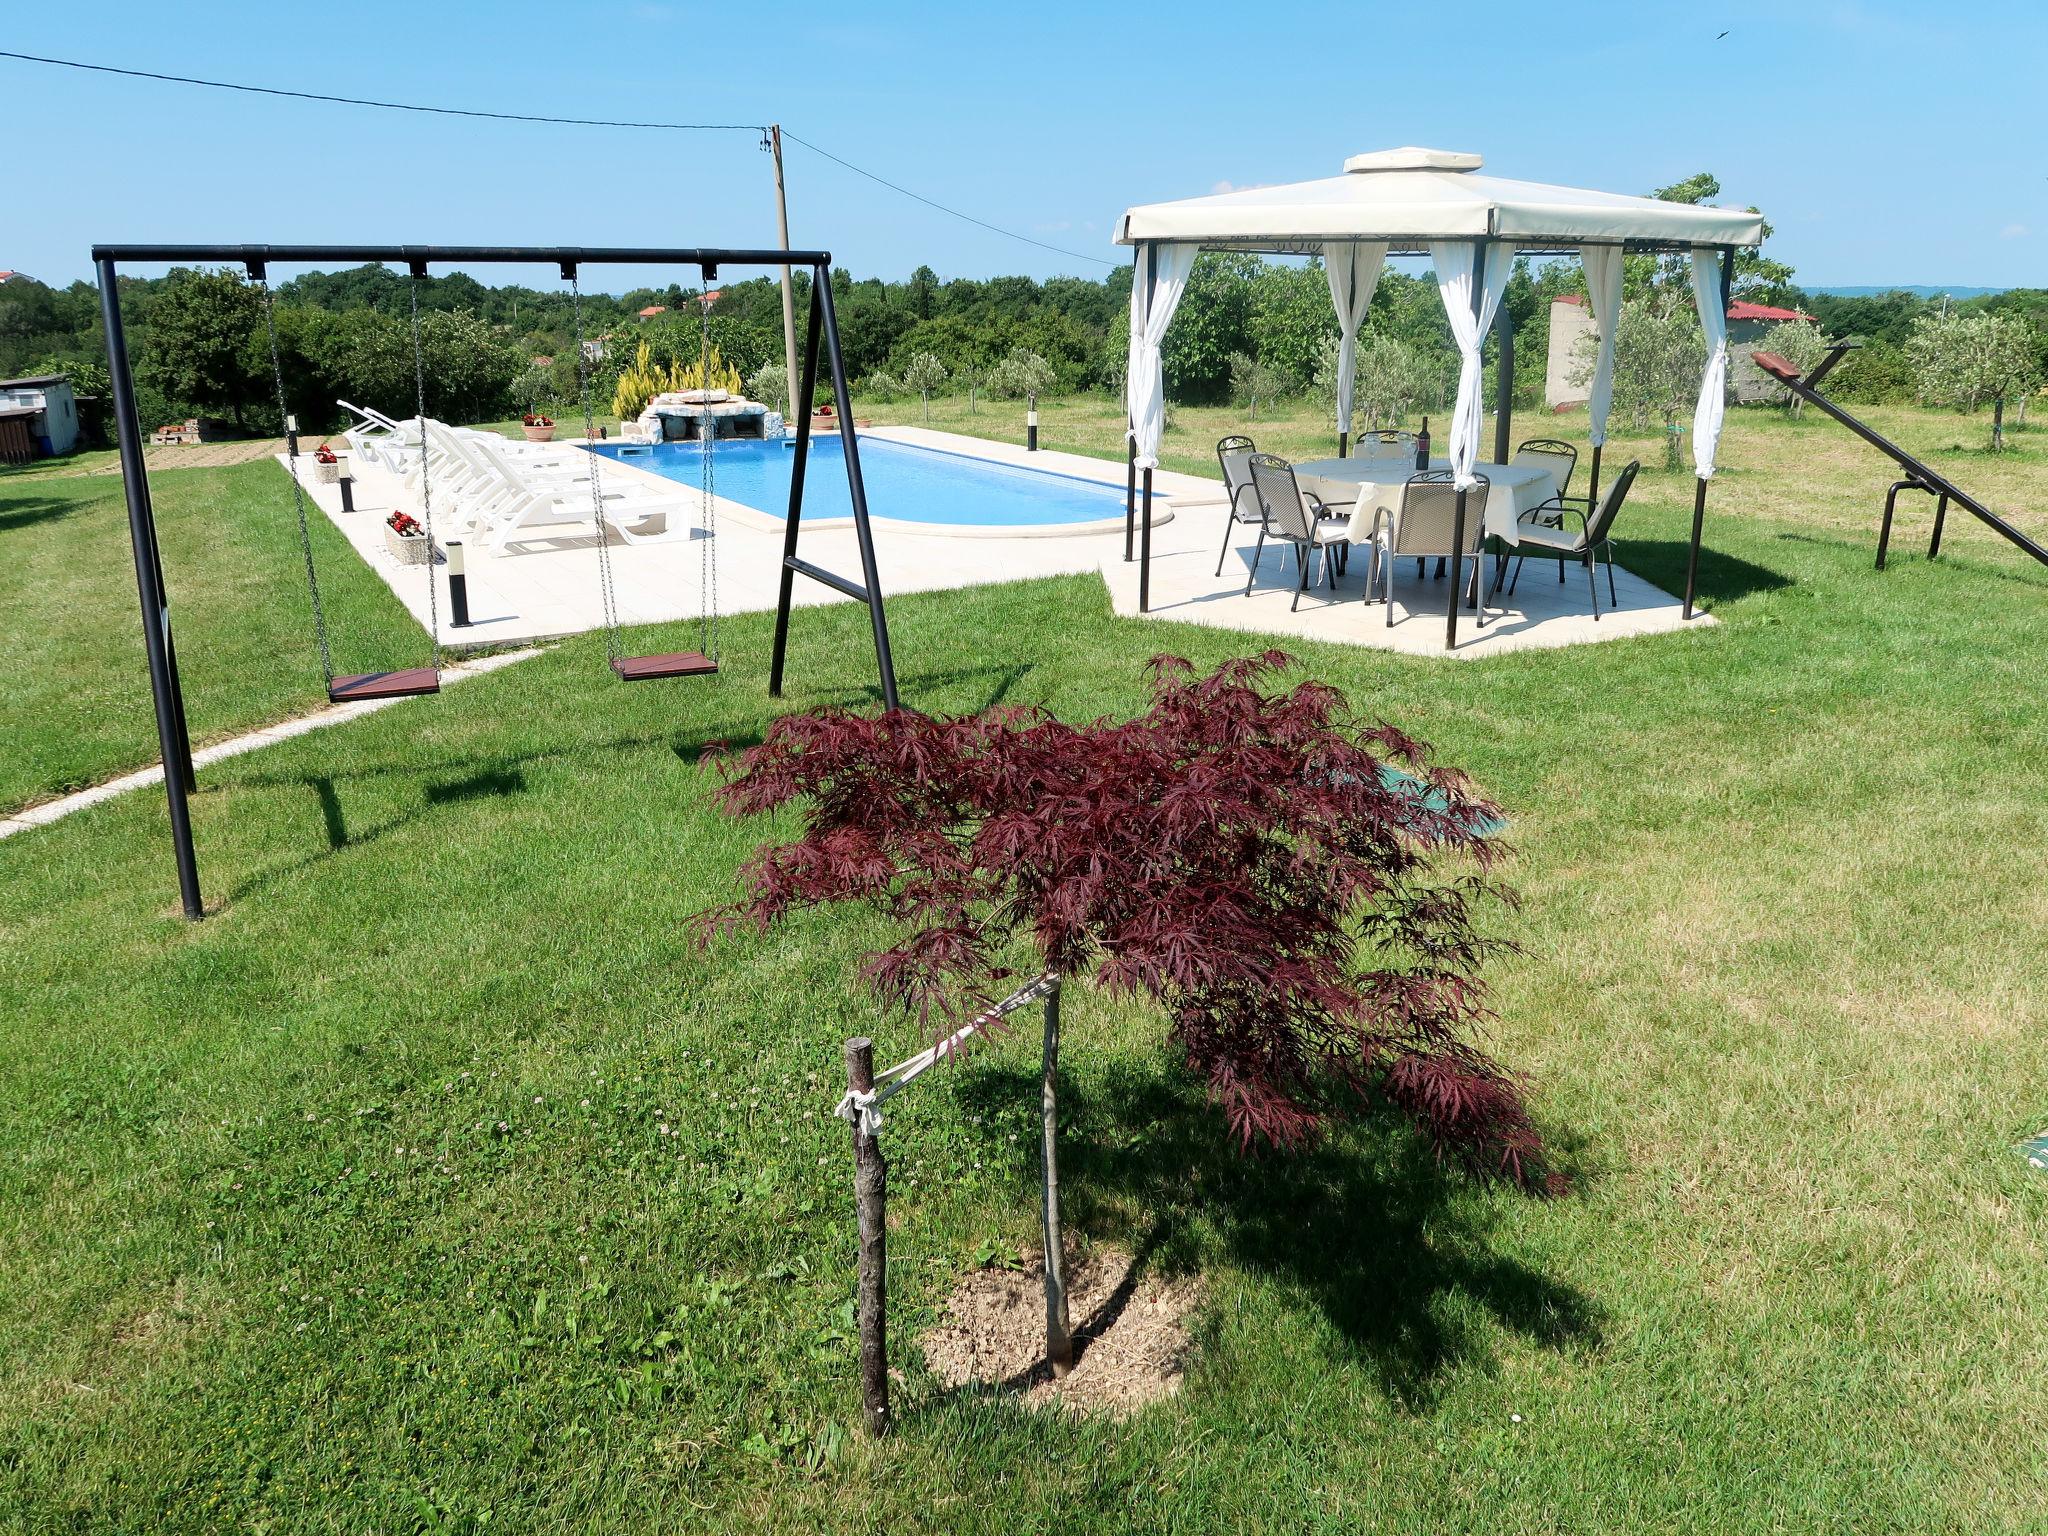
(1260, 862)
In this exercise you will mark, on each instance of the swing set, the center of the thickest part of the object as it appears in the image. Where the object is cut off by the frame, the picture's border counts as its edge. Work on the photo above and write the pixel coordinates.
(821, 333)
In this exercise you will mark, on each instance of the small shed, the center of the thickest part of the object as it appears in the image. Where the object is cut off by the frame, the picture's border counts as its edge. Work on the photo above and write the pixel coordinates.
(51, 411)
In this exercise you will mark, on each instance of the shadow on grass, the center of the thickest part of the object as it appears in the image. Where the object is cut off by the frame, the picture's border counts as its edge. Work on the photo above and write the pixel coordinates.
(25, 512)
(489, 783)
(1390, 1246)
(1722, 577)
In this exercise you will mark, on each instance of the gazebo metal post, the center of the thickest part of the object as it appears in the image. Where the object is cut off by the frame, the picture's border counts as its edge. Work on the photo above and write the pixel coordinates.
(1145, 521)
(1699, 490)
(1130, 484)
(1504, 384)
(1458, 517)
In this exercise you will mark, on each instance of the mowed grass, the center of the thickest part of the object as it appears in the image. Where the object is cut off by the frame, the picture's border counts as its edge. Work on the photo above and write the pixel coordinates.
(74, 680)
(438, 1182)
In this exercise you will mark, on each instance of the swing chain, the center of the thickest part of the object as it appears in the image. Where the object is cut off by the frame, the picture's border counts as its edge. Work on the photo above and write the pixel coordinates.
(419, 377)
(298, 492)
(604, 559)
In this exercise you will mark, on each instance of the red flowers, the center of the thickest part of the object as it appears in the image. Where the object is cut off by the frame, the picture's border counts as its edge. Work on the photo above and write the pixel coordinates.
(405, 525)
(325, 455)
(531, 420)
(1257, 862)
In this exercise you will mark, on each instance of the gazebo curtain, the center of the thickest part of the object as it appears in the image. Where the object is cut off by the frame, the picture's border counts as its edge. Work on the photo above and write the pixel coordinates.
(1713, 404)
(1354, 272)
(1603, 289)
(1159, 278)
(1455, 261)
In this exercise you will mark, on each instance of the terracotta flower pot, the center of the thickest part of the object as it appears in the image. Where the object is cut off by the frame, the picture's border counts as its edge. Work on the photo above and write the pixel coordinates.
(544, 434)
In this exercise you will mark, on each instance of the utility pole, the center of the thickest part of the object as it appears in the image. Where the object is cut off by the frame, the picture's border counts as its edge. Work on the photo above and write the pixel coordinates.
(788, 292)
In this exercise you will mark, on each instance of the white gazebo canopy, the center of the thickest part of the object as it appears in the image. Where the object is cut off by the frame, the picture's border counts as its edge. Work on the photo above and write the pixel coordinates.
(1434, 202)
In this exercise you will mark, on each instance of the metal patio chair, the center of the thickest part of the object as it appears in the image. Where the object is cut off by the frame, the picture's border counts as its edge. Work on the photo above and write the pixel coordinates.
(1234, 454)
(1307, 522)
(1425, 527)
(1586, 545)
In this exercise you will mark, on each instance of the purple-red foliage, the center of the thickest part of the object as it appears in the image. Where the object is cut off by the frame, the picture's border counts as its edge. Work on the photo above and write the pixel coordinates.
(1235, 853)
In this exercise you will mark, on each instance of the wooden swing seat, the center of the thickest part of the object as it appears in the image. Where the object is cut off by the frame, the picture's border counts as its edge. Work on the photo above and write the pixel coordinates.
(640, 669)
(384, 685)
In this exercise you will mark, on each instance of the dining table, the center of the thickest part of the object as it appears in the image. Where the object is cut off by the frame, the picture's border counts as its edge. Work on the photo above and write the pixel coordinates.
(1370, 486)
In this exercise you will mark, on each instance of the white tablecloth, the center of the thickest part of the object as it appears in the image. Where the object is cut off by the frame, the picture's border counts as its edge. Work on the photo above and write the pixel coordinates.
(1513, 490)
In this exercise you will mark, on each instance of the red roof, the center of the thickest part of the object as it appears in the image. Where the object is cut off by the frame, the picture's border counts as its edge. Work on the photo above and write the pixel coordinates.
(652, 310)
(1742, 309)
(712, 297)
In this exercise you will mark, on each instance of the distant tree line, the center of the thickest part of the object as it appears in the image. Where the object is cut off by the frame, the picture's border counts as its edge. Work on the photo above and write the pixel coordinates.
(1249, 330)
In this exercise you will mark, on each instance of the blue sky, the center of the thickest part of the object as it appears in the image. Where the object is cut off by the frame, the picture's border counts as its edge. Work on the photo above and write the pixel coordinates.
(1887, 142)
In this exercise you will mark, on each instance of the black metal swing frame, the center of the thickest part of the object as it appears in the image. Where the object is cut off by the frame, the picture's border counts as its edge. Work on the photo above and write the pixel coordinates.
(166, 688)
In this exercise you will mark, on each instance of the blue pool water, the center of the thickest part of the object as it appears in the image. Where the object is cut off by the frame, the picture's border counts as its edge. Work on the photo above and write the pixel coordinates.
(913, 485)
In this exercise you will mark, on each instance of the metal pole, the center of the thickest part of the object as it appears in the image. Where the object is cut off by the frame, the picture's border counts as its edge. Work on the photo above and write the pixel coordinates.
(1504, 385)
(1891, 501)
(870, 1197)
(1145, 529)
(1940, 517)
(1593, 487)
(1130, 486)
(156, 612)
(1699, 495)
(1031, 426)
(1145, 547)
(1692, 554)
(799, 402)
(788, 283)
(1452, 598)
(863, 535)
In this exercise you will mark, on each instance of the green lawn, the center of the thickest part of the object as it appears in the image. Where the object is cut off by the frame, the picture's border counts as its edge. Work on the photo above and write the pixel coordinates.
(74, 682)
(349, 1208)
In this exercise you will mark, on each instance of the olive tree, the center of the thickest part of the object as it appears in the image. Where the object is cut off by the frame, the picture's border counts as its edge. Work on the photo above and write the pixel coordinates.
(1801, 344)
(924, 373)
(1020, 374)
(1965, 360)
(1659, 355)
(1252, 381)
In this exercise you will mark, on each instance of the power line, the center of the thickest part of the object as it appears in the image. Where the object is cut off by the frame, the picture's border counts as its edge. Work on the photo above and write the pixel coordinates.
(953, 212)
(388, 106)
(535, 117)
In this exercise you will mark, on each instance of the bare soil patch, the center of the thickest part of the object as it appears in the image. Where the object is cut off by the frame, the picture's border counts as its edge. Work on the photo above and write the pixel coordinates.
(1131, 1341)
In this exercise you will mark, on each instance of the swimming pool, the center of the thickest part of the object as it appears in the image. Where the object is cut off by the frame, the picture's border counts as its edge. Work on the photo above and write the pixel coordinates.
(926, 487)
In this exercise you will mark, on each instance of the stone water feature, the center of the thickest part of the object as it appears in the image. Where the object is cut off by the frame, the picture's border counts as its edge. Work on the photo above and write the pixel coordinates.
(692, 415)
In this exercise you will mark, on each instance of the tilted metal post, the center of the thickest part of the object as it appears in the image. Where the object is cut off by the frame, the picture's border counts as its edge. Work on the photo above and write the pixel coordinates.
(172, 742)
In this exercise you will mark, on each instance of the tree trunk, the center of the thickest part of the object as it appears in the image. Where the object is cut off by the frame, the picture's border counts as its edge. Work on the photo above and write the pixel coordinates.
(1997, 423)
(927, 410)
(1059, 1337)
(870, 1193)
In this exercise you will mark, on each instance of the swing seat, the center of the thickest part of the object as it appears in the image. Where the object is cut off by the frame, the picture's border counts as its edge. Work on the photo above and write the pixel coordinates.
(384, 685)
(640, 669)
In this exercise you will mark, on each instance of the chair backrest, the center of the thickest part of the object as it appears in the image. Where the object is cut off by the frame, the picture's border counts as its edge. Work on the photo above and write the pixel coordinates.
(1429, 515)
(1234, 454)
(1548, 453)
(1610, 503)
(1280, 497)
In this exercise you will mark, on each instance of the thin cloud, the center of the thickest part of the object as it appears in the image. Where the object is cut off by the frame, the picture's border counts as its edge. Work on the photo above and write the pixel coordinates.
(2014, 232)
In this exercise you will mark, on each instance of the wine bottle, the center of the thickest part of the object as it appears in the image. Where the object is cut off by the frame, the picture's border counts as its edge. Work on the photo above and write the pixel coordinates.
(1422, 446)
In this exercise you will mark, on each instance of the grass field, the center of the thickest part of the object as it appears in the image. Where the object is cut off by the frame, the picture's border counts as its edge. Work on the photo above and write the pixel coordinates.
(437, 1183)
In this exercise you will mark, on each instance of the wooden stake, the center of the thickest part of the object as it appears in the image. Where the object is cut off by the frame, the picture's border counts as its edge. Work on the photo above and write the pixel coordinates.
(871, 1195)
(1059, 1337)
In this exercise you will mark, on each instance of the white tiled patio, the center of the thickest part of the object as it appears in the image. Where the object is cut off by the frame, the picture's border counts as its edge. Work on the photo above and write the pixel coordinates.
(548, 587)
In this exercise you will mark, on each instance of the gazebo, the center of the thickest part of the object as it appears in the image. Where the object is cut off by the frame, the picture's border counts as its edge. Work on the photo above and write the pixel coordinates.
(1433, 202)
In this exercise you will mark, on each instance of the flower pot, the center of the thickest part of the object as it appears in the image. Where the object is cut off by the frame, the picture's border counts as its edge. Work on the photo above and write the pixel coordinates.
(416, 550)
(327, 474)
(544, 434)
